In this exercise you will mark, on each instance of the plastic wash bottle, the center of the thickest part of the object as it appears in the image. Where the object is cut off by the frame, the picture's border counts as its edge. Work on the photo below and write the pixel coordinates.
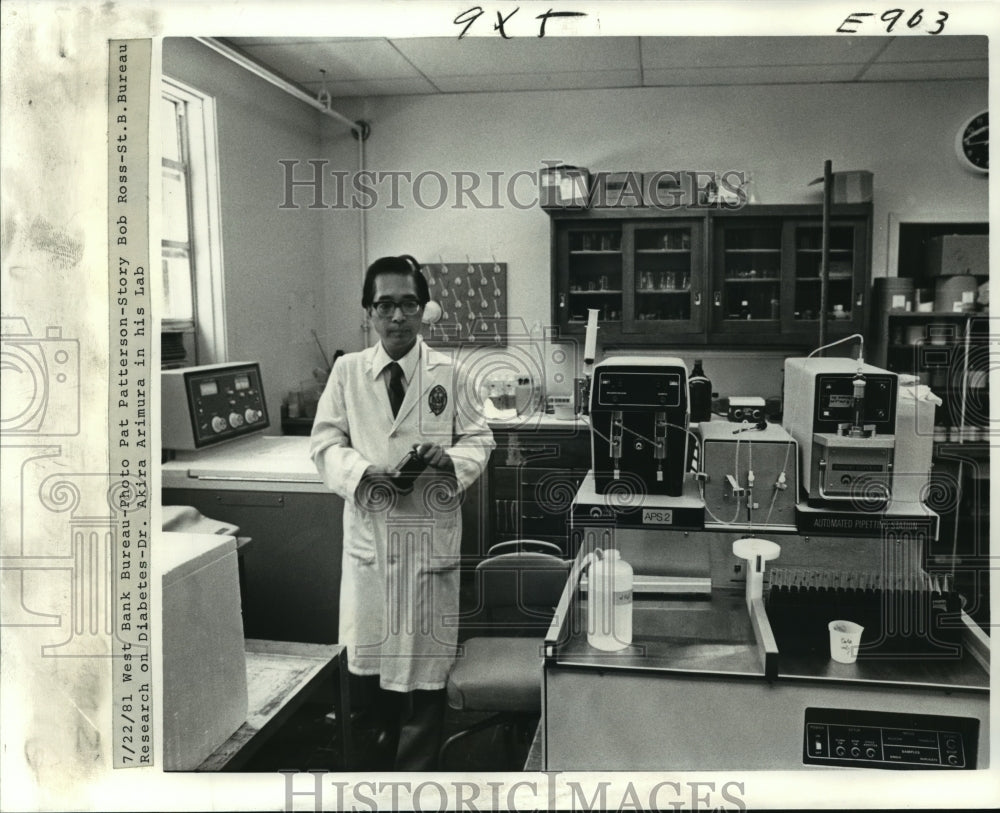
(609, 611)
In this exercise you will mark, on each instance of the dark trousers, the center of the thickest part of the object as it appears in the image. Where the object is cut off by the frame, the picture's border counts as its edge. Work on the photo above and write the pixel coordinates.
(411, 726)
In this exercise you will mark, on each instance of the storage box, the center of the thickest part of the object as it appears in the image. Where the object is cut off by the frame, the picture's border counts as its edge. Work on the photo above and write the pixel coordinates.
(915, 408)
(564, 187)
(663, 189)
(204, 660)
(955, 254)
(617, 190)
(854, 186)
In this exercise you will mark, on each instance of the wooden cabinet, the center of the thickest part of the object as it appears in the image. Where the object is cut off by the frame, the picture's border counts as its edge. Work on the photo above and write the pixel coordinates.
(291, 569)
(766, 277)
(710, 277)
(532, 479)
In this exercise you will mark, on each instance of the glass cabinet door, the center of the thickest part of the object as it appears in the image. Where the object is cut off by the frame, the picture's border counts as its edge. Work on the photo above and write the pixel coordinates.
(747, 292)
(594, 274)
(843, 292)
(664, 289)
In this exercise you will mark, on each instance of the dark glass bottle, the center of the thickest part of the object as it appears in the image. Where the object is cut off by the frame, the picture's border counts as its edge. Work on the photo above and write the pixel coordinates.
(699, 394)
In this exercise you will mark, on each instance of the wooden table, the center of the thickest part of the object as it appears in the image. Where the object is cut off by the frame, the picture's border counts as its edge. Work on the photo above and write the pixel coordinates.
(281, 675)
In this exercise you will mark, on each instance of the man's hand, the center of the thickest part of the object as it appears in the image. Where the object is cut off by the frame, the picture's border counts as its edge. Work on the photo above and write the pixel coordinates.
(435, 456)
(374, 487)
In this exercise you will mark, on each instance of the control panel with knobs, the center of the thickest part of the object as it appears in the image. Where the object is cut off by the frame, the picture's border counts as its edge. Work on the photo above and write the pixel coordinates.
(866, 739)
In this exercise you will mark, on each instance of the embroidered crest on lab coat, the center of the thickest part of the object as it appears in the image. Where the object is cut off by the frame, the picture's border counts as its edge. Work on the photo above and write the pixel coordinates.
(437, 399)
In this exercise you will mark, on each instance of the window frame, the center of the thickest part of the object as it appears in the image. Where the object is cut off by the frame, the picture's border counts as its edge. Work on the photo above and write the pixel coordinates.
(205, 223)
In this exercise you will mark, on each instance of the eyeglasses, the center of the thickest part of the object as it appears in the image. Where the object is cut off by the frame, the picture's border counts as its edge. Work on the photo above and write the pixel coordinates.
(386, 308)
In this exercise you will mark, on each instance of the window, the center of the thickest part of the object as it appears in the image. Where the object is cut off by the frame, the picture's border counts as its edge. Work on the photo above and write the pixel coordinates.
(193, 315)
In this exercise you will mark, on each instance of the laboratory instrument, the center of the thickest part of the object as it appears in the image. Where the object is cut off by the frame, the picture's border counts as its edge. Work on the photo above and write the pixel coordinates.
(639, 425)
(842, 413)
(748, 476)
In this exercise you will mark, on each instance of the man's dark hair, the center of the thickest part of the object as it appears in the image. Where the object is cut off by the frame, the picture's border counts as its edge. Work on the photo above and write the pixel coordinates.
(405, 265)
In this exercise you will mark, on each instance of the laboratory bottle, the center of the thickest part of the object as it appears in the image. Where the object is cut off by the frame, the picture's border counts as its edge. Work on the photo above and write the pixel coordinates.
(494, 395)
(609, 611)
(699, 394)
(509, 394)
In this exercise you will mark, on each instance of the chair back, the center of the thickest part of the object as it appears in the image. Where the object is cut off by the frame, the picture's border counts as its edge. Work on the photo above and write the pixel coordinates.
(520, 591)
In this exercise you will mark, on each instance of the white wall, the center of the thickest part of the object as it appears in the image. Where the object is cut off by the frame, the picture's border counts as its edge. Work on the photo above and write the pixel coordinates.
(274, 264)
(902, 131)
(289, 272)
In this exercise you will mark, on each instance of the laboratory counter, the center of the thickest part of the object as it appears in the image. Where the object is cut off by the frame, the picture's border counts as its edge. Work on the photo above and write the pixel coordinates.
(714, 636)
(691, 692)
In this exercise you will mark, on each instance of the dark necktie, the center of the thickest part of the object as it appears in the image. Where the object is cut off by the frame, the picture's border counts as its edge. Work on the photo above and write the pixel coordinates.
(396, 389)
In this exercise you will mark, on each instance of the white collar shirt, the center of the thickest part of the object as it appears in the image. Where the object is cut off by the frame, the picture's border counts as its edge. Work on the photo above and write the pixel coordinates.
(408, 363)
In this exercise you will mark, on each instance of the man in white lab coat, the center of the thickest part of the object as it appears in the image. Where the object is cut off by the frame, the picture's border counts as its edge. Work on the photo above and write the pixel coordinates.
(399, 591)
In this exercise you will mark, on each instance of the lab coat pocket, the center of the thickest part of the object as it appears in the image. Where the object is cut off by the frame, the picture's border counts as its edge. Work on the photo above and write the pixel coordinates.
(359, 535)
(442, 501)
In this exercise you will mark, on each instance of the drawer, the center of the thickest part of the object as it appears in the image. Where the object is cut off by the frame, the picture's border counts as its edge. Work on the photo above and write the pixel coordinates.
(513, 519)
(531, 451)
(554, 490)
(551, 486)
(536, 520)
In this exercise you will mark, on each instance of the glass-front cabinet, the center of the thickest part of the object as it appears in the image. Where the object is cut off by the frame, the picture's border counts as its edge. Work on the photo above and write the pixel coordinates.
(766, 276)
(595, 274)
(745, 277)
(847, 245)
(664, 294)
(641, 277)
(749, 277)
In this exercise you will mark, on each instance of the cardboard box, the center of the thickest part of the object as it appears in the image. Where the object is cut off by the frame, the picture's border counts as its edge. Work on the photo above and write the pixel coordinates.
(664, 189)
(958, 254)
(617, 190)
(854, 186)
(564, 187)
(204, 657)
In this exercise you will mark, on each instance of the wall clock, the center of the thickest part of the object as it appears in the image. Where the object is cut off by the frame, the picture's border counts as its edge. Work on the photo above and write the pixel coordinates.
(972, 142)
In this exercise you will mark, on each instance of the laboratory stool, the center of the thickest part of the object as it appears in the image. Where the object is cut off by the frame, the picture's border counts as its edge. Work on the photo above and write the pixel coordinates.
(501, 671)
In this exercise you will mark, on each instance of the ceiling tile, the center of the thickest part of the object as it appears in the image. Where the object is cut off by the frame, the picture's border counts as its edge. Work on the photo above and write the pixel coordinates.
(377, 66)
(926, 49)
(477, 56)
(896, 71)
(343, 60)
(408, 86)
(791, 74)
(542, 80)
(689, 52)
(243, 42)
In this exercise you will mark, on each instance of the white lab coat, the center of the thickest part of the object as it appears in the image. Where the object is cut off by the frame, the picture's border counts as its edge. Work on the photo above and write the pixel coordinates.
(400, 581)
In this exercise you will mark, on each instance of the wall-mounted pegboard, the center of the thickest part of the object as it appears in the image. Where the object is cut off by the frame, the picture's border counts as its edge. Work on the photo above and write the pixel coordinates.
(473, 300)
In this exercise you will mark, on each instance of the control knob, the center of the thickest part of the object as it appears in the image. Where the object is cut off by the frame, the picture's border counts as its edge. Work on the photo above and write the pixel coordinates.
(218, 424)
(252, 415)
(235, 420)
